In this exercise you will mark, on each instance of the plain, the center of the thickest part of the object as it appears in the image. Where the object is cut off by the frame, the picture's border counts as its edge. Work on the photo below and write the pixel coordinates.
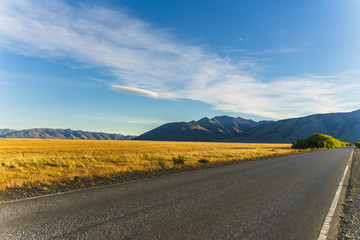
(33, 162)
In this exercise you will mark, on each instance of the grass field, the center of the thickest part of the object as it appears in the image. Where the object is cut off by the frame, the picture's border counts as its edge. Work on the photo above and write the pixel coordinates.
(30, 163)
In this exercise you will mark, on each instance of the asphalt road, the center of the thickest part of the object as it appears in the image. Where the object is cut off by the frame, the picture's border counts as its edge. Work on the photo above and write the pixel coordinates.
(282, 198)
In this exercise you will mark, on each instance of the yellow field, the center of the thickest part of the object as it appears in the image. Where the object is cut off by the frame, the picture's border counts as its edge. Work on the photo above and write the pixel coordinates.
(28, 162)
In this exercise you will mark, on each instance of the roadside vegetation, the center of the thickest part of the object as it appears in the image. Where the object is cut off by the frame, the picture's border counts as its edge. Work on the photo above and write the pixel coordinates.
(28, 163)
(319, 141)
(357, 144)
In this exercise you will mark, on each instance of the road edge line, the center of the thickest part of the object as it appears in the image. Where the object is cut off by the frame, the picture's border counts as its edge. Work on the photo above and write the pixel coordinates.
(326, 226)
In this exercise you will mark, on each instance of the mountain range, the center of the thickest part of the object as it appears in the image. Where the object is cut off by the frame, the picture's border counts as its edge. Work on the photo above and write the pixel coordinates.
(343, 126)
(215, 129)
(50, 133)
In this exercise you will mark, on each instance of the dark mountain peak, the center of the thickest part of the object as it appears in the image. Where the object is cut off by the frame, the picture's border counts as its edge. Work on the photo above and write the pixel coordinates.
(204, 120)
(224, 117)
(225, 120)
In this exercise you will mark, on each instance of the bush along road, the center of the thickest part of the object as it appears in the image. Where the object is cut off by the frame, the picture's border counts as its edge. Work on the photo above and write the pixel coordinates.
(350, 219)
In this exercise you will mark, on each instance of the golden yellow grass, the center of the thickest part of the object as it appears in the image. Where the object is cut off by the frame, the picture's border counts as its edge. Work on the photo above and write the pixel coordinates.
(29, 162)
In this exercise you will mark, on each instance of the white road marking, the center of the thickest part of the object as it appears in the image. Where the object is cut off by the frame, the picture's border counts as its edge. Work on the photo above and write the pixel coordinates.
(326, 227)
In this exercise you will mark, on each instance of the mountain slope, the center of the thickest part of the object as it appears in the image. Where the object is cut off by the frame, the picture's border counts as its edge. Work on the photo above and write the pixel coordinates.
(6, 131)
(342, 126)
(215, 129)
(49, 133)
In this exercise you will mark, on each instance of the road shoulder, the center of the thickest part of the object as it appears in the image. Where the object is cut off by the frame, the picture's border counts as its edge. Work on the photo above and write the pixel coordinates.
(349, 223)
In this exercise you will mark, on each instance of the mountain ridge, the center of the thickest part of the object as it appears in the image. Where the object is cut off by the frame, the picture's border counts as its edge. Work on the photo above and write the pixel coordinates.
(57, 133)
(215, 129)
(344, 126)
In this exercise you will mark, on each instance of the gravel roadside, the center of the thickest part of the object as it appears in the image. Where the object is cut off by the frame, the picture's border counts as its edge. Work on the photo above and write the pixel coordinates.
(350, 219)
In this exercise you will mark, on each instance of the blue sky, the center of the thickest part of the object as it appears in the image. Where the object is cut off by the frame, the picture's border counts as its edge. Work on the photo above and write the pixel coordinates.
(129, 66)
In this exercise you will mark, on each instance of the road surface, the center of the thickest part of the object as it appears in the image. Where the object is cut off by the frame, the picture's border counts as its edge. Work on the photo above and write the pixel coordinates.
(281, 198)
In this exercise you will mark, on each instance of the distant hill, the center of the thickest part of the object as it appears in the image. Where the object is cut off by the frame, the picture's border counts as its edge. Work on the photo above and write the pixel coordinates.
(50, 133)
(6, 131)
(215, 129)
(342, 126)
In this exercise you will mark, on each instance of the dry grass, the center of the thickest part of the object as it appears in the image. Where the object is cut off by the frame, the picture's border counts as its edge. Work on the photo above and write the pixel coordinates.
(29, 163)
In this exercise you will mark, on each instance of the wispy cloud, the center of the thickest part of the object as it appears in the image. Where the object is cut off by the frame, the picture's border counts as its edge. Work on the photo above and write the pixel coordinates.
(133, 91)
(152, 62)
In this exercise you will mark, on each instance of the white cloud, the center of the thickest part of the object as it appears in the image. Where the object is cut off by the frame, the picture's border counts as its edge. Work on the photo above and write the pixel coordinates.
(151, 62)
(133, 91)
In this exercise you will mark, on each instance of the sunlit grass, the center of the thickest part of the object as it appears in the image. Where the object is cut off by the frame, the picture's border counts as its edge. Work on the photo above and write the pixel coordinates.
(29, 163)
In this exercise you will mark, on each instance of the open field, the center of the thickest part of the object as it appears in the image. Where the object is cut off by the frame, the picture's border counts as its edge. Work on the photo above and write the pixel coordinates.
(30, 163)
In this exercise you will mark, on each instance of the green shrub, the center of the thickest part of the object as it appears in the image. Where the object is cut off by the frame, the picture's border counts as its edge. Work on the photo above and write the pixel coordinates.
(357, 144)
(319, 141)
